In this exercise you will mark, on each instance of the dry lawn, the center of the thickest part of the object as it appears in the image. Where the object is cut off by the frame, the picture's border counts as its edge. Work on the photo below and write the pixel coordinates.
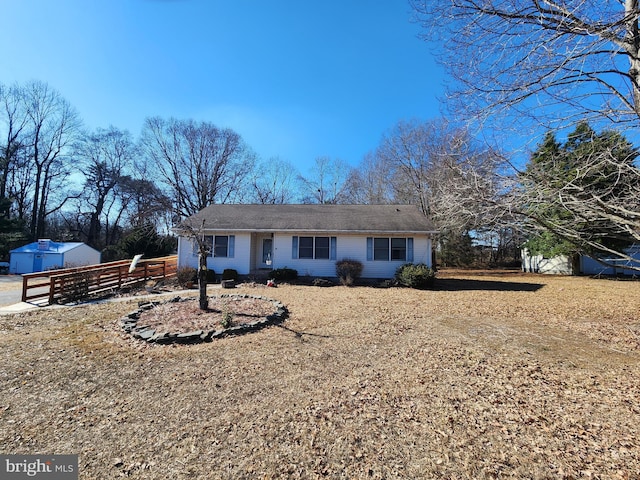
(490, 376)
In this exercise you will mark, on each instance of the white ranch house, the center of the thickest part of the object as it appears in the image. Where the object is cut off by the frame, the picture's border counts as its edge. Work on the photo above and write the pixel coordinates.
(308, 238)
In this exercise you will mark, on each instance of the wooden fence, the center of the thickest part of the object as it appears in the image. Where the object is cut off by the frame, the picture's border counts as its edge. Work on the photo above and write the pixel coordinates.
(65, 284)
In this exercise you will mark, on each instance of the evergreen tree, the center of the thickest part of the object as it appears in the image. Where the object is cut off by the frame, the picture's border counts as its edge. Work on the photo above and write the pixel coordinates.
(11, 230)
(563, 182)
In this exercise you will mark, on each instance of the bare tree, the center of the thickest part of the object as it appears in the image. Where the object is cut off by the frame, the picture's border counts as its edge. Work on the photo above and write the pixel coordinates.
(369, 182)
(13, 119)
(273, 182)
(551, 61)
(326, 183)
(199, 163)
(441, 169)
(106, 156)
(53, 126)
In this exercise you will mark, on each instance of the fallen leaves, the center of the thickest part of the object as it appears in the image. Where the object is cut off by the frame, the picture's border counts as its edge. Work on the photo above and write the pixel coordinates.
(515, 376)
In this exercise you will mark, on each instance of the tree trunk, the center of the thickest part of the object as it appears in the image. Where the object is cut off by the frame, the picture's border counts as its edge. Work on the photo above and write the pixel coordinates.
(202, 279)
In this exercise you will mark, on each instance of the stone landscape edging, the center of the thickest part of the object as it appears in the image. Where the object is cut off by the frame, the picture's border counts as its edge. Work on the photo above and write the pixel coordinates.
(130, 325)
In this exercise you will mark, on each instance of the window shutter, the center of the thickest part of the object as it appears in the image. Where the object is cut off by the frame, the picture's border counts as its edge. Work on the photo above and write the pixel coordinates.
(294, 247)
(333, 248)
(369, 248)
(410, 249)
(232, 246)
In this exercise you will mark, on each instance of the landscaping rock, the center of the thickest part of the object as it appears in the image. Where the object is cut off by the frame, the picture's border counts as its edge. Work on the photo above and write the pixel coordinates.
(130, 325)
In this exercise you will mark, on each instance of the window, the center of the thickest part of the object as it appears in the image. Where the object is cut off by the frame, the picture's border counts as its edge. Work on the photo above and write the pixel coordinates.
(399, 249)
(314, 247)
(218, 246)
(322, 247)
(306, 247)
(381, 249)
(221, 246)
(394, 249)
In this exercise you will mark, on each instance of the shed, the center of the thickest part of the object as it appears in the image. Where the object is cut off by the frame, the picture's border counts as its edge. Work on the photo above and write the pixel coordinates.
(49, 255)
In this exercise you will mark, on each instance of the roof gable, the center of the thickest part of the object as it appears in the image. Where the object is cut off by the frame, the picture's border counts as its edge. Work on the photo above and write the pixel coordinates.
(312, 218)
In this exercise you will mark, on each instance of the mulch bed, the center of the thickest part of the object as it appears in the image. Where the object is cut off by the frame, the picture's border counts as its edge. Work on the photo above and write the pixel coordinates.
(187, 316)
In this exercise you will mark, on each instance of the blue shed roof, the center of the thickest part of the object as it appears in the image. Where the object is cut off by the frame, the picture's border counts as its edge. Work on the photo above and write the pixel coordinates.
(47, 247)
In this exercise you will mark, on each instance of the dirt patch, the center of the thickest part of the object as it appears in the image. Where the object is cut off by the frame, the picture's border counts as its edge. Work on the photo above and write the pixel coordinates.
(503, 376)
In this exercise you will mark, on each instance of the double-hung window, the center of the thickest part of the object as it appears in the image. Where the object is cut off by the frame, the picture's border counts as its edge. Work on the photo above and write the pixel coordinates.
(223, 246)
(217, 245)
(390, 249)
(314, 247)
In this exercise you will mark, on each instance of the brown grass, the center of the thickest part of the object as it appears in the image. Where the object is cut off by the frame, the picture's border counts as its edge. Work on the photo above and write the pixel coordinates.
(491, 376)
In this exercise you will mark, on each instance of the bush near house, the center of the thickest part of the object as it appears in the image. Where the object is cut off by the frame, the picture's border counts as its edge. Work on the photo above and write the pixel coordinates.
(185, 275)
(416, 276)
(230, 274)
(283, 274)
(348, 271)
(211, 275)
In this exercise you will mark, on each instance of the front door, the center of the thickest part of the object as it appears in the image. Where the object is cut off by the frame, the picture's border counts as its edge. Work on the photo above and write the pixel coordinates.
(267, 253)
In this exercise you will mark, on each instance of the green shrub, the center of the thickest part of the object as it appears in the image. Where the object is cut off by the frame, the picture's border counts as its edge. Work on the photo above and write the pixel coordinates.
(283, 274)
(230, 274)
(185, 275)
(211, 275)
(416, 276)
(348, 271)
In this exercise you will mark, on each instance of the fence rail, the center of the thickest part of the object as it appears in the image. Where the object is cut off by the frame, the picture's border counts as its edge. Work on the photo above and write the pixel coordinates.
(59, 285)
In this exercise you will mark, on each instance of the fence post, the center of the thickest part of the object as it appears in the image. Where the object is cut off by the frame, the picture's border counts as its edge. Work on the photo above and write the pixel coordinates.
(24, 288)
(52, 289)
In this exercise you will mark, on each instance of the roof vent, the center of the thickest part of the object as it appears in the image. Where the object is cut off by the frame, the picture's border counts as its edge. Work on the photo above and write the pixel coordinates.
(44, 244)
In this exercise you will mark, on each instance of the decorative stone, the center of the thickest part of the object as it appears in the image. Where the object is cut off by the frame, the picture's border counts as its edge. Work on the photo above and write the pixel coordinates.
(145, 332)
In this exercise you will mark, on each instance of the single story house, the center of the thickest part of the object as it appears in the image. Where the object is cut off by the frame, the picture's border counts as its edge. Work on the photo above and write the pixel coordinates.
(308, 238)
(49, 255)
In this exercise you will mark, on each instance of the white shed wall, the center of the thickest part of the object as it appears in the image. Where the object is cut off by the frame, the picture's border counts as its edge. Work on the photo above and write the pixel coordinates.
(81, 255)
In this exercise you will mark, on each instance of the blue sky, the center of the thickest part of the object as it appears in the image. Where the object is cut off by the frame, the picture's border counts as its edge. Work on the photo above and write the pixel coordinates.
(296, 79)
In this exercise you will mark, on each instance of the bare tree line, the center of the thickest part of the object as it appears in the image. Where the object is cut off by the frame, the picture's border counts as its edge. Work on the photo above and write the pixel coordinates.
(94, 186)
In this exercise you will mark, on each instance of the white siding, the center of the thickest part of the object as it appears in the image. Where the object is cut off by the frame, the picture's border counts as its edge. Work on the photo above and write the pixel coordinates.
(347, 246)
(80, 255)
(241, 260)
(558, 265)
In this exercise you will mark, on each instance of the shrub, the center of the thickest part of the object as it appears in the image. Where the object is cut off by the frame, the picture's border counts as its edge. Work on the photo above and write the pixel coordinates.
(348, 271)
(211, 275)
(283, 274)
(416, 276)
(185, 275)
(230, 274)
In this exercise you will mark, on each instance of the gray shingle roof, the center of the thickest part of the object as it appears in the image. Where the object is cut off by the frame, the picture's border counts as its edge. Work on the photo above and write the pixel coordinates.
(313, 218)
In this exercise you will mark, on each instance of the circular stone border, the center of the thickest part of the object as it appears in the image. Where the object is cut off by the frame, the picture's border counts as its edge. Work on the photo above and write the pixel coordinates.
(130, 325)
